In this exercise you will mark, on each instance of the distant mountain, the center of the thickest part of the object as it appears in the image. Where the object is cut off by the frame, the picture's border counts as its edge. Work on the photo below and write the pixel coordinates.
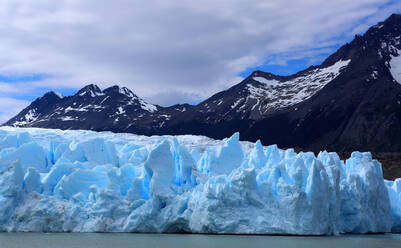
(89, 108)
(351, 101)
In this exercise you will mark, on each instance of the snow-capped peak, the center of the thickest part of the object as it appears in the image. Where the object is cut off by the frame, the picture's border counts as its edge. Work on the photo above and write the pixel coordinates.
(92, 90)
(92, 94)
(127, 92)
(134, 100)
(120, 90)
(59, 95)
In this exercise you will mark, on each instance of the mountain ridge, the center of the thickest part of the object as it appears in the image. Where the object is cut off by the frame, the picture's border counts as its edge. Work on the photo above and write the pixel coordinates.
(346, 102)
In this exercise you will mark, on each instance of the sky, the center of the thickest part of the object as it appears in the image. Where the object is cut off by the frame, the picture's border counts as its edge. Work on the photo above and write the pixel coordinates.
(167, 52)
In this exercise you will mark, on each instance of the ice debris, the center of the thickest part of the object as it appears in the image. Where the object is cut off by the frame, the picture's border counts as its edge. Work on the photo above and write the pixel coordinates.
(82, 181)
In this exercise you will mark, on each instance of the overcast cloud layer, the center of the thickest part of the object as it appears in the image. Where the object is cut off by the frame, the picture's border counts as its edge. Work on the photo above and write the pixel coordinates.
(165, 51)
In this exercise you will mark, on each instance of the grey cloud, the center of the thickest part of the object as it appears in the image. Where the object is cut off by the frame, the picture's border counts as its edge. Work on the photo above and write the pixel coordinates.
(10, 107)
(158, 48)
(169, 98)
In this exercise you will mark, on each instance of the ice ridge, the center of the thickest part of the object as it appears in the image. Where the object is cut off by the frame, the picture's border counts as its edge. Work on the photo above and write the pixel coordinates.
(82, 181)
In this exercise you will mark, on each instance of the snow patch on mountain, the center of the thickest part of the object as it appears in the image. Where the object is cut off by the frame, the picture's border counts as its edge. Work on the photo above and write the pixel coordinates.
(126, 91)
(135, 99)
(147, 106)
(395, 66)
(83, 181)
(120, 111)
(29, 117)
(67, 118)
(271, 82)
(68, 109)
(280, 94)
(92, 93)
(59, 95)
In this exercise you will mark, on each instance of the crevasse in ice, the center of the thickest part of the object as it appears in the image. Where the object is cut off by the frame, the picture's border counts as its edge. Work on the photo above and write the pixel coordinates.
(83, 181)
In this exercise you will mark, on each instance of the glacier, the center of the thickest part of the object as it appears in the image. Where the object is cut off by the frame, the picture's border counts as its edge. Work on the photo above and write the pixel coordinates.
(84, 181)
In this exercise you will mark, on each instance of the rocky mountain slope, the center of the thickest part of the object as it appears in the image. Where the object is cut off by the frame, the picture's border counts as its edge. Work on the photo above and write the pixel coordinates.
(359, 109)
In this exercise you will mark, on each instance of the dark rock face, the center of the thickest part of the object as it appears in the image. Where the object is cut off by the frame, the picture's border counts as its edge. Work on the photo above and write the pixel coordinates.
(349, 102)
(358, 110)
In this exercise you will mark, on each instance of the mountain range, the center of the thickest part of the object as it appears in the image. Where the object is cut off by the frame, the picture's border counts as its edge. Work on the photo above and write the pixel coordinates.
(351, 101)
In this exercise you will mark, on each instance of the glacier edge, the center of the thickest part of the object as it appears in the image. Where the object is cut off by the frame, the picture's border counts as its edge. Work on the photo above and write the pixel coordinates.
(83, 181)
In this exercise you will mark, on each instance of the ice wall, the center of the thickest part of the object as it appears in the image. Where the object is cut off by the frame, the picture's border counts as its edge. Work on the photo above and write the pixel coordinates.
(394, 191)
(81, 181)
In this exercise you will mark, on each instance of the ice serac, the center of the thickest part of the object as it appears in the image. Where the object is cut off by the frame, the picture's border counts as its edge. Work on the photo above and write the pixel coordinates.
(394, 190)
(362, 195)
(80, 181)
(227, 157)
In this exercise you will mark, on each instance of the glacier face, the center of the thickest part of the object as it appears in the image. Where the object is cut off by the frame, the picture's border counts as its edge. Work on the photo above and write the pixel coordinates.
(83, 181)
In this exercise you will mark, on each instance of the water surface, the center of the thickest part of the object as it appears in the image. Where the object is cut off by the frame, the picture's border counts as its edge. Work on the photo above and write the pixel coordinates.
(127, 240)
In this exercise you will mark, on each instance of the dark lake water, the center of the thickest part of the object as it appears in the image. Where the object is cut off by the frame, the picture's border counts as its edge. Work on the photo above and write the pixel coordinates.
(116, 240)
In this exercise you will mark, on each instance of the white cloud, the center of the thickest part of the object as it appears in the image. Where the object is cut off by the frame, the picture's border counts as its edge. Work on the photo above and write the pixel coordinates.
(9, 107)
(159, 48)
(8, 88)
